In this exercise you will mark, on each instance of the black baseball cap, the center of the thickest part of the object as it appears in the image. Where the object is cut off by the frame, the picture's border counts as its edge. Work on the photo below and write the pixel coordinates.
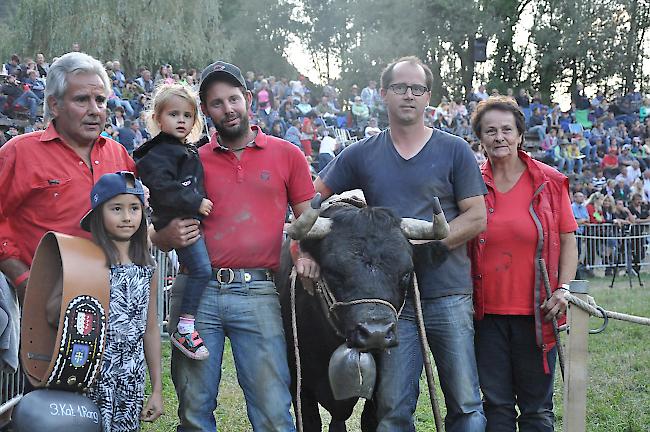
(220, 69)
(109, 186)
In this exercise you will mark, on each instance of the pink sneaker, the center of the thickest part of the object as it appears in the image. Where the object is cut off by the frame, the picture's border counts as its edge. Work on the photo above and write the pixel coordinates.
(190, 344)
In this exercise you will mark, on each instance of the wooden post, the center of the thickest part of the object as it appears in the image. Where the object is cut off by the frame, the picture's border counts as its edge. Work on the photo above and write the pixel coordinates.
(575, 373)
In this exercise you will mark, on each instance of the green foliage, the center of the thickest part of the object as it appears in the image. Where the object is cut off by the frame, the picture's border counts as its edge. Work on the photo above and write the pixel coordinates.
(258, 32)
(597, 42)
(589, 42)
(508, 62)
(440, 32)
(140, 33)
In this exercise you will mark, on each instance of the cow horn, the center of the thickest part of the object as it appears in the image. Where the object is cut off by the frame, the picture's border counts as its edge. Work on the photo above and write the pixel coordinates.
(416, 229)
(309, 224)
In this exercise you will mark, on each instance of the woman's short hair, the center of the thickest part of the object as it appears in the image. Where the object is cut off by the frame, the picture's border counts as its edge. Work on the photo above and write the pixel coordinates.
(72, 63)
(498, 103)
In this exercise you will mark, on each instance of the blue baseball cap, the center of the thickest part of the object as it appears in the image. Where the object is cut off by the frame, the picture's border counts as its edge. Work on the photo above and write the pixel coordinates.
(109, 186)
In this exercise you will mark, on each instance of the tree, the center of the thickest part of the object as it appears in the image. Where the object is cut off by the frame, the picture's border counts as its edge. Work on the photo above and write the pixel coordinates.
(634, 27)
(508, 62)
(576, 42)
(150, 33)
(325, 25)
(440, 32)
(259, 32)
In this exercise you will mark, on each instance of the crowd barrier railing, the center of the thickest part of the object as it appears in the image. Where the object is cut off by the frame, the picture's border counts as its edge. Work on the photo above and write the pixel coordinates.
(167, 265)
(11, 383)
(614, 246)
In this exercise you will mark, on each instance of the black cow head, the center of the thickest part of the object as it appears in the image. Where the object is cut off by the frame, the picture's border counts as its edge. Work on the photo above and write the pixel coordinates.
(365, 254)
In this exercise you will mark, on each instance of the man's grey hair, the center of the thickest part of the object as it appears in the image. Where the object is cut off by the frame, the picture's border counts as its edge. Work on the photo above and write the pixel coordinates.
(72, 63)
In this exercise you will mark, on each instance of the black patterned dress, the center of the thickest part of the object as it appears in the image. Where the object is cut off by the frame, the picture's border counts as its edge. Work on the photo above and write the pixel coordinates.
(119, 390)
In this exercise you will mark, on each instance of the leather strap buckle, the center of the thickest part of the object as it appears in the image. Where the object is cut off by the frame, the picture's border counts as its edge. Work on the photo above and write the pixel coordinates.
(231, 276)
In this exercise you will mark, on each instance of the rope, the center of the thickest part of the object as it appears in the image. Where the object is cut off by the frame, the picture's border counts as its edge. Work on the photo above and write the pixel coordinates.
(556, 329)
(592, 309)
(425, 355)
(330, 304)
(366, 301)
(296, 350)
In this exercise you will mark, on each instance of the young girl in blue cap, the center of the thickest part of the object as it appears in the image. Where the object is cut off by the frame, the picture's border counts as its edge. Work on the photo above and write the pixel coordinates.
(118, 227)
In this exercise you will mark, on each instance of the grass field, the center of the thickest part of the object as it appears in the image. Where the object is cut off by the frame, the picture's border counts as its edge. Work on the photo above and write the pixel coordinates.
(619, 375)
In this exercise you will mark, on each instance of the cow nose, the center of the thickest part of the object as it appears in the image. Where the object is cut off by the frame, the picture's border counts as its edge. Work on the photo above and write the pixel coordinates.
(374, 336)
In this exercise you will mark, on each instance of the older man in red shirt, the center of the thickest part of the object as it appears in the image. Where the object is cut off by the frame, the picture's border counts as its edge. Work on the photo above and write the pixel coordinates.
(47, 176)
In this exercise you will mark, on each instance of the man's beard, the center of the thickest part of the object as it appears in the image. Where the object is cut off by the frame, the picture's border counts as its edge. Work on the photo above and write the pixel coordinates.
(236, 132)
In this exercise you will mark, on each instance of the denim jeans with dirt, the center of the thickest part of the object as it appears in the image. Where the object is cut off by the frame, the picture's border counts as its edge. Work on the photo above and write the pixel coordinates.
(249, 315)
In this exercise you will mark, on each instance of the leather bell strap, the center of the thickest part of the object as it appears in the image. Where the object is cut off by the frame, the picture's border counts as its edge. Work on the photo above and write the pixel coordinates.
(67, 357)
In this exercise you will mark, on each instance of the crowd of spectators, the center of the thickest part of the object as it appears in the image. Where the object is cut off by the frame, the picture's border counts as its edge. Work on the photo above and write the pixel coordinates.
(289, 109)
(602, 142)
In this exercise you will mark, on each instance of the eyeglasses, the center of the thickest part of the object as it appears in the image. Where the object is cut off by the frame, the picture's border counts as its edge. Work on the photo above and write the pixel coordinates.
(416, 89)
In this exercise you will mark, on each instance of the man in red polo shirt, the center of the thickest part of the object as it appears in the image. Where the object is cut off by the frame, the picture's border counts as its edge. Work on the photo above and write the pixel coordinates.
(47, 176)
(250, 177)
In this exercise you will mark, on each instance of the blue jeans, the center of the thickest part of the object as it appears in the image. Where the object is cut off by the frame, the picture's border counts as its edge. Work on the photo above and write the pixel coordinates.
(450, 331)
(128, 109)
(195, 258)
(29, 100)
(570, 163)
(511, 370)
(540, 130)
(249, 315)
(590, 151)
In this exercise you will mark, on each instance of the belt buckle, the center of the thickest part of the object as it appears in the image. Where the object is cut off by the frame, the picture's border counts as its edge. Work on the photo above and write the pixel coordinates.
(231, 276)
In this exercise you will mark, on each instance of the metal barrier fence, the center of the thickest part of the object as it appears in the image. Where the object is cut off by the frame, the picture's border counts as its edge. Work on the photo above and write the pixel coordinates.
(11, 384)
(614, 246)
(167, 264)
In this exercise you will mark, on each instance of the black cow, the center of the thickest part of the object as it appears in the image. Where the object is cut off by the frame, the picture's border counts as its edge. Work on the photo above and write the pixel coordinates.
(363, 253)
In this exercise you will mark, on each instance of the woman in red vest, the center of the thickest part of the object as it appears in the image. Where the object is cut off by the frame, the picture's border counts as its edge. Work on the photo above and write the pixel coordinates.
(529, 217)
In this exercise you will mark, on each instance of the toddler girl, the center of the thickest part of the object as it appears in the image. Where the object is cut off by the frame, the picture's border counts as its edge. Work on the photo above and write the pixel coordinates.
(170, 167)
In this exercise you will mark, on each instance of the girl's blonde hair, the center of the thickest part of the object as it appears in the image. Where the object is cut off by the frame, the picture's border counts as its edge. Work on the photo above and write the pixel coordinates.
(161, 97)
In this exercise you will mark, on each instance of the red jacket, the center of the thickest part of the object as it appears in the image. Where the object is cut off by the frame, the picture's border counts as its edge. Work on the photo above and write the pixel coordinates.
(549, 186)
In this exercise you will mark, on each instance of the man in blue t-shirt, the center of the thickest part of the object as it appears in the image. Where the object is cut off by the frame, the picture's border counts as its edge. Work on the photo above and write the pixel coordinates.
(404, 168)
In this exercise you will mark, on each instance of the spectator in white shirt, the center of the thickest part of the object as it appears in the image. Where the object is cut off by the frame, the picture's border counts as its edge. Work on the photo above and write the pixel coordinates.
(327, 151)
(371, 129)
